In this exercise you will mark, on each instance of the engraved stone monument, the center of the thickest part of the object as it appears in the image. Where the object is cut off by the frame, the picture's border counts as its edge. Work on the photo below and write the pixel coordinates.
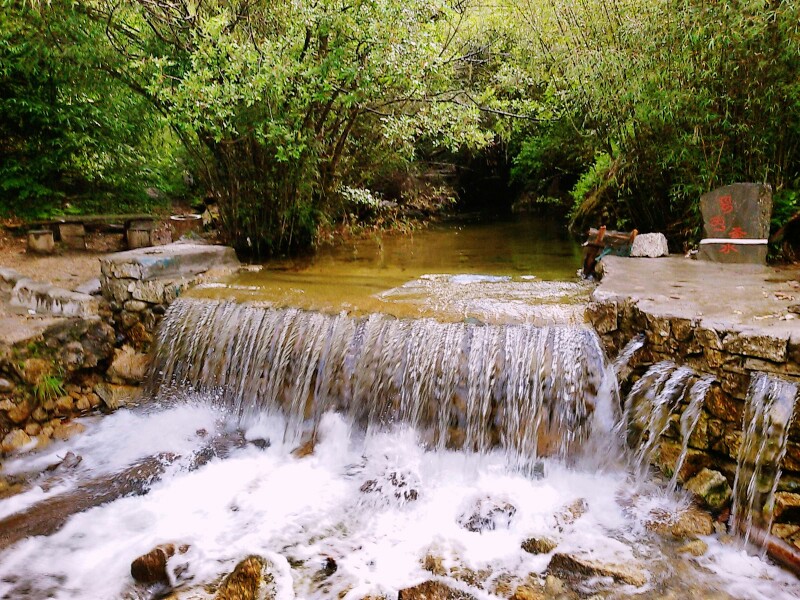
(736, 223)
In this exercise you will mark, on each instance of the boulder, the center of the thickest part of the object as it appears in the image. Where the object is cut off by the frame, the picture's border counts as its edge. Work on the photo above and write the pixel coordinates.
(128, 366)
(711, 487)
(570, 566)
(649, 245)
(433, 590)
(246, 581)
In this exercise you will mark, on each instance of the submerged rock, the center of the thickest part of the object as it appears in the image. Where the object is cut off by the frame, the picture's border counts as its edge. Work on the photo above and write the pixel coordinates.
(433, 590)
(248, 581)
(488, 514)
(571, 512)
(570, 566)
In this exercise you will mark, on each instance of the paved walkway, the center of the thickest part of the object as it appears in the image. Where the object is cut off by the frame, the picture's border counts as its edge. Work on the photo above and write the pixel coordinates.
(737, 297)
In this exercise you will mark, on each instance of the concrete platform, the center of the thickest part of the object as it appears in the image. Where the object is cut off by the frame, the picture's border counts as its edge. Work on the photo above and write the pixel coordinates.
(748, 298)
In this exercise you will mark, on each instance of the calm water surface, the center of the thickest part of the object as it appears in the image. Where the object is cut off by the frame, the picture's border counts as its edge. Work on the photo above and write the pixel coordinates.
(515, 271)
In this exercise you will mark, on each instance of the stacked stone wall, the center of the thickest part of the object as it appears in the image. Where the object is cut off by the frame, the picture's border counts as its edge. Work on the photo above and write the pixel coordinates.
(731, 357)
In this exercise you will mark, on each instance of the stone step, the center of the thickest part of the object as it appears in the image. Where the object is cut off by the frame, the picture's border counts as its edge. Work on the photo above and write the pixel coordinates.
(46, 299)
(169, 261)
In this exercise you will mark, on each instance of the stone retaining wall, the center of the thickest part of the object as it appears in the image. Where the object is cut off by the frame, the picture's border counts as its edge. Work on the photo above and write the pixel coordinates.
(731, 356)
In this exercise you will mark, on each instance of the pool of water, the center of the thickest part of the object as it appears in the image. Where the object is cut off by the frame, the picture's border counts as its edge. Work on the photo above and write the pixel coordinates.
(512, 271)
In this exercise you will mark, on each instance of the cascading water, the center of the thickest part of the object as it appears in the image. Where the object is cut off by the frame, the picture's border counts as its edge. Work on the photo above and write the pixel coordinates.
(765, 429)
(533, 389)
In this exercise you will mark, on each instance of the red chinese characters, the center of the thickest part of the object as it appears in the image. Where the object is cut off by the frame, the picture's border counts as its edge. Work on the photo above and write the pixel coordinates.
(728, 248)
(737, 233)
(717, 224)
(726, 204)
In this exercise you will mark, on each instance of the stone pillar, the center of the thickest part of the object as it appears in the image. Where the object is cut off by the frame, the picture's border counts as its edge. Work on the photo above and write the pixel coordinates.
(73, 235)
(140, 234)
(41, 241)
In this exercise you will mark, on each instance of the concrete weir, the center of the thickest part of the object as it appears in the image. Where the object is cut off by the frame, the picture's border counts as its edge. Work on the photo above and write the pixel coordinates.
(731, 323)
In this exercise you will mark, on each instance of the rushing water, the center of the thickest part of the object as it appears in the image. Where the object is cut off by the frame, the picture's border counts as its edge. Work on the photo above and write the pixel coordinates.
(360, 453)
(767, 418)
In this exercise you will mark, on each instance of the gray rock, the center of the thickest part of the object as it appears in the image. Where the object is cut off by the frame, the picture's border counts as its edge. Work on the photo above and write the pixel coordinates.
(6, 386)
(90, 287)
(650, 245)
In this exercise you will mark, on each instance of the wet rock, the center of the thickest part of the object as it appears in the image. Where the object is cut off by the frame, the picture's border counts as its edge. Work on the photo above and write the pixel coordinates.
(787, 507)
(33, 429)
(695, 548)
(151, 568)
(711, 487)
(690, 523)
(83, 405)
(128, 366)
(392, 486)
(568, 566)
(33, 369)
(135, 305)
(603, 316)
(433, 590)
(305, 449)
(539, 545)
(64, 431)
(260, 443)
(434, 564)
(571, 512)
(553, 586)
(69, 462)
(64, 405)
(246, 581)
(758, 346)
(116, 396)
(527, 592)
(73, 356)
(14, 440)
(19, 413)
(487, 514)
(649, 245)
(6, 386)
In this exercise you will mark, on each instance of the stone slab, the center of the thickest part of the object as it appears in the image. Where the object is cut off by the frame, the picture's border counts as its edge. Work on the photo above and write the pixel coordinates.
(44, 298)
(736, 212)
(752, 300)
(171, 260)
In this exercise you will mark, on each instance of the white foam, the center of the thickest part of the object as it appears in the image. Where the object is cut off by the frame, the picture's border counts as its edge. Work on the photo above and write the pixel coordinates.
(293, 511)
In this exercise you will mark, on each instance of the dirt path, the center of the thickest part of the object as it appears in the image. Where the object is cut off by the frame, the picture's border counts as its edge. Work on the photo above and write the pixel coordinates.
(66, 268)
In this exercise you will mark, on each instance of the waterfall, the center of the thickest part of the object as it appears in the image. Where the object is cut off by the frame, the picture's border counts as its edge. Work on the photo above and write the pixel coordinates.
(765, 430)
(533, 390)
